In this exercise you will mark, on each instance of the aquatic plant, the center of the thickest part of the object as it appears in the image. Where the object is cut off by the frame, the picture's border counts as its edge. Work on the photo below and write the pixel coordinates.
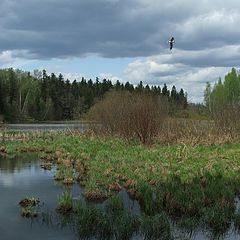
(30, 207)
(218, 219)
(60, 174)
(146, 198)
(188, 226)
(114, 207)
(110, 222)
(29, 201)
(46, 166)
(155, 227)
(30, 211)
(178, 199)
(94, 191)
(88, 221)
(65, 174)
(65, 203)
(124, 226)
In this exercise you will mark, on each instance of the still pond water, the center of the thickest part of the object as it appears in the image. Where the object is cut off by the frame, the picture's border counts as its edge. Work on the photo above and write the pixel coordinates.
(22, 177)
(51, 126)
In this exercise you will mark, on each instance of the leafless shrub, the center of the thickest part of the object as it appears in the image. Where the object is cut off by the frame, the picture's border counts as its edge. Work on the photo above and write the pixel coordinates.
(131, 115)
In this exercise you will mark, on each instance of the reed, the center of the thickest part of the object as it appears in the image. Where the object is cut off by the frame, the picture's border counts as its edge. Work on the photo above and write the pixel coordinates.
(88, 221)
(110, 222)
(218, 220)
(146, 198)
(125, 225)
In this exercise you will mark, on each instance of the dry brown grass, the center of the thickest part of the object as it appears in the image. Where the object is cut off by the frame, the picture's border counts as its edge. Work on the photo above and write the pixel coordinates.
(195, 132)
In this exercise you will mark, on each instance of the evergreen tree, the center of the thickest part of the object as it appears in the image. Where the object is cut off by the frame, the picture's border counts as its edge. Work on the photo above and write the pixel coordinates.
(139, 87)
(165, 91)
(147, 89)
(174, 94)
(129, 87)
(117, 85)
(49, 97)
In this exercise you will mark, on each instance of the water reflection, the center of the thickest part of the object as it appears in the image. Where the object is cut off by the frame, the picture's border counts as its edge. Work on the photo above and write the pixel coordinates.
(57, 126)
(16, 164)
(21, 177)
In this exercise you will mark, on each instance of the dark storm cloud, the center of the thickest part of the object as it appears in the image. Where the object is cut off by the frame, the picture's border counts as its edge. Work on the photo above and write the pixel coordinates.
(122, 28)
(58, 28)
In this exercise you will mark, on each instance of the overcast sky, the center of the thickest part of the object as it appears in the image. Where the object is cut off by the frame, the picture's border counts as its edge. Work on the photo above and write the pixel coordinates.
(124, 39)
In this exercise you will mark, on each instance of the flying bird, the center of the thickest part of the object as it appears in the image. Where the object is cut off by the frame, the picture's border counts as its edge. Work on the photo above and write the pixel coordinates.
(171, 42)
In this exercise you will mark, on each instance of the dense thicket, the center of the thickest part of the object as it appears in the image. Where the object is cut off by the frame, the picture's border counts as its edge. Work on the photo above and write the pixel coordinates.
(131, 115)
(39, 96)
(223, 101)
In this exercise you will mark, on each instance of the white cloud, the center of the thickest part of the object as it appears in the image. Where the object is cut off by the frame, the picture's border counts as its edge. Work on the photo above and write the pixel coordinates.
(215, 28)
(71, 76)
(6, 58)
(192, 79)
(110, 76)
(13, 59)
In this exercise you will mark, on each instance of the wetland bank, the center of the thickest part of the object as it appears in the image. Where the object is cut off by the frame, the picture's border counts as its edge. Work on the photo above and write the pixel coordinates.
(102, 187)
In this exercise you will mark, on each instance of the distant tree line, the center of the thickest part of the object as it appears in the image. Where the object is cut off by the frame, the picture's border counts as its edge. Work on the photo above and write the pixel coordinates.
(39, 96)
(223, 101)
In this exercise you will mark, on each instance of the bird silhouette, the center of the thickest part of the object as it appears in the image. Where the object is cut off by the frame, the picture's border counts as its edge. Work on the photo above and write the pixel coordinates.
(171, 42)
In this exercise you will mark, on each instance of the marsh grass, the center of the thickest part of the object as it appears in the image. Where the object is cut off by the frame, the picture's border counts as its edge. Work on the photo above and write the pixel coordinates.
(183, 180)
(125, 226)
(60, 174)
(188, 199)
(89, 222)
(65, 174)
(65, 203)
(146, 198)
(155, 227)
(188, 225)
(114, 207)
(94, 192)
(218, 220)
(114, 222)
